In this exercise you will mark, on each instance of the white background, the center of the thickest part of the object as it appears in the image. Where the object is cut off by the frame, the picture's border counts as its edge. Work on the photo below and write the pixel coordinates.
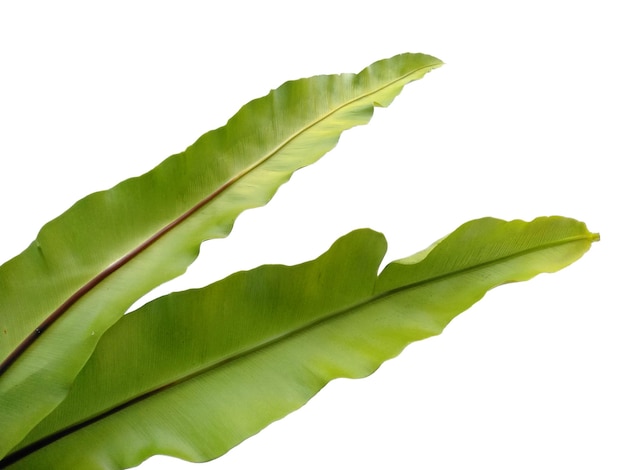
(526, 119)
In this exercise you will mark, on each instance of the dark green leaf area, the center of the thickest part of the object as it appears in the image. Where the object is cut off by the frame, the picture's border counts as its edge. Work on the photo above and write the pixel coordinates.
(206, 329)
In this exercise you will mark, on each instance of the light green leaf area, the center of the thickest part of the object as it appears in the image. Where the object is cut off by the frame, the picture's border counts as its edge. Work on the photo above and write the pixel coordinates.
(89, 265)
(194, 373)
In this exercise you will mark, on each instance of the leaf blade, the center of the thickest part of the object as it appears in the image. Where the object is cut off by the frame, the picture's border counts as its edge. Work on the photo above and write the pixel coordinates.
(220, 403)
(90, 264)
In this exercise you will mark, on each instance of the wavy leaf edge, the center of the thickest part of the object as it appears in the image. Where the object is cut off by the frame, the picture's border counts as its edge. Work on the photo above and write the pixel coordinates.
(582, 241)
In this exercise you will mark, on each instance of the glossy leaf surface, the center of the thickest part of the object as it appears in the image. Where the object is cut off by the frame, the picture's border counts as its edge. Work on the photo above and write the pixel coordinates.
(88, 266)
(194, 373)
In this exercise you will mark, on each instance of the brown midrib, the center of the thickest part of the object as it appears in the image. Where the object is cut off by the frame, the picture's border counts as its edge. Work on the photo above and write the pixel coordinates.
(81, 292)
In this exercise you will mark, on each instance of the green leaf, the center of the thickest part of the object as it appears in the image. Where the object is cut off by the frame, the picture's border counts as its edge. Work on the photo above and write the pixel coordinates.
(89, 265)
(194, 373)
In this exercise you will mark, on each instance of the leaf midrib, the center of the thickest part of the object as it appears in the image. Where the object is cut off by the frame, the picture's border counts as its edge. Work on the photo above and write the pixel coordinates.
(35, 446)
(128, 257)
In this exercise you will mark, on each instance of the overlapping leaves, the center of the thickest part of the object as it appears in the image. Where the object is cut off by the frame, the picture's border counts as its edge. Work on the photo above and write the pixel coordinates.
(194, 373)
(56, 297)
